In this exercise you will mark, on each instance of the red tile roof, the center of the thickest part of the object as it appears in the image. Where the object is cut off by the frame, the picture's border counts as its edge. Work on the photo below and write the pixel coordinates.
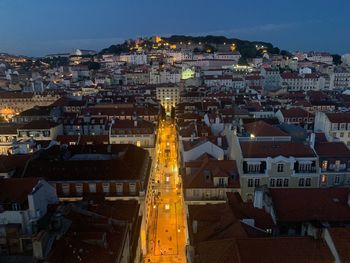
(339, 117)
(261, 128)
(296, 113)
(332, 149)
(16, 190)
(262, 149)
(269, 250)
(301, 205)
(39, 124)
(341, 239)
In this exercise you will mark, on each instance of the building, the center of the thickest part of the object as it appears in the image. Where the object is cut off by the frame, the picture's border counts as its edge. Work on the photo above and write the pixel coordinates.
(85, 125)
(207, 179)
(300, 82)
(276, 164)
(40, 130)
(12, 103)
(305, 212)
(137, 131)
(341, 77)
(91, 231)
(23, 202)
(335, 126)
(118, 172)
(297, 116)
(8, 135)
(334, 164)
(168, 95)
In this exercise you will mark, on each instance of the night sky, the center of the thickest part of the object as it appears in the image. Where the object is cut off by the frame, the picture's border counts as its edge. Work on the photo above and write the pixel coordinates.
(39, 27)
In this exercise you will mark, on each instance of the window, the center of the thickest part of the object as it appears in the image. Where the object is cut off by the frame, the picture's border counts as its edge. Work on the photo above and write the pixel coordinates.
(138, 143)
(105, 187)
(341, 135)
(92, 188)
(250, 182)
(324, 165)
(337, 165)
(256, 182)
(65, 189)
(279, 183)
(254, 167)
(323, 179)
(280, 167)
(301, 181)
(337, 179)
(119, 188)
(286, 182)
(308, 182)
(272, 182)
(16, 207)
(221, 181)
(132, 187)
(79, 188)
(304, 167)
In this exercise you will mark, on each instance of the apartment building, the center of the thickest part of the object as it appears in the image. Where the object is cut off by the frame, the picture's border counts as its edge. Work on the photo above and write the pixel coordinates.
(283, 164)
(335, 126)
(168, 95)
(334, 161)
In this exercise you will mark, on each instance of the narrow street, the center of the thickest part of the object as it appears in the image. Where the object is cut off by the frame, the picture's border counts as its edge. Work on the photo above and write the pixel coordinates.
(166, 229)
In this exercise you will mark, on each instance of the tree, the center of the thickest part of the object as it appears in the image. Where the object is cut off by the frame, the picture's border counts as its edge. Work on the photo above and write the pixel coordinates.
(243, 61)
(336, 59)
(93, 65)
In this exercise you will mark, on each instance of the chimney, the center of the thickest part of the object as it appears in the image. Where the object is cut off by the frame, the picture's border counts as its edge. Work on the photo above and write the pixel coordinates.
(312, 140)
(219, 141)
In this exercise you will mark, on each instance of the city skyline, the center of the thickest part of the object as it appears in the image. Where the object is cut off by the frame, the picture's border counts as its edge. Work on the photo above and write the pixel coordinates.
(63, 26)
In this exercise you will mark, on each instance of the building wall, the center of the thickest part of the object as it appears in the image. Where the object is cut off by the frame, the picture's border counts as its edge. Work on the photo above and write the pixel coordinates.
(207, 194)
(206, 147)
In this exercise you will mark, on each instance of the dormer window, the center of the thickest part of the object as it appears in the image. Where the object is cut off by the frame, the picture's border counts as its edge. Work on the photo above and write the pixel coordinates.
(280, 167)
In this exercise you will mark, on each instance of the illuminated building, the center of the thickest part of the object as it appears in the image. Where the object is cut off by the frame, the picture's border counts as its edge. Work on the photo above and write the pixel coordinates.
(168, 95)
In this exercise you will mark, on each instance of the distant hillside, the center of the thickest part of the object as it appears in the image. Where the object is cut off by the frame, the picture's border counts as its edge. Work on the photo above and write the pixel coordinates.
(248, 49)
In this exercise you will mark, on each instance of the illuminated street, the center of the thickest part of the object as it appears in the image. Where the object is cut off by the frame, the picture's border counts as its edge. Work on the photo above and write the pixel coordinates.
(166, 230)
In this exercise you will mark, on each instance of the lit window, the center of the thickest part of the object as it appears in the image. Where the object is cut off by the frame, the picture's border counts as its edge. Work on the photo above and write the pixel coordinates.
(324, 179)
(324, 165)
